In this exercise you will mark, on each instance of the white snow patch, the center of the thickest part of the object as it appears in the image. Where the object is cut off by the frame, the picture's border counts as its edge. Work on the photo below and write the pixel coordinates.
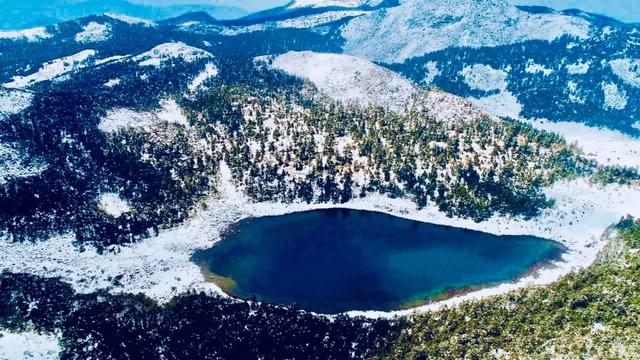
(28, 346)
(607, 147)
(53, 69)
(14, 165)
(113, 204)
(432, 72)
(112, 83)
(503, 104)
(210, 71)
(349, 79)
(628, 70)
(533, 68)
(301, 22)
(574, 94)
(484, 77)
(117, 119)
(614, 98)
(579, 68)
(13, 102)
(445, 107)
(31, 35)
(417, 27)
(94, 32)
(130, 19)
(111, 59)
(332, 3)
(170, 51)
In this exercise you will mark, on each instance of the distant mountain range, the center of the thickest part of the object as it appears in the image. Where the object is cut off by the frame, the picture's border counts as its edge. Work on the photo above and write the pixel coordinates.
(17, 14)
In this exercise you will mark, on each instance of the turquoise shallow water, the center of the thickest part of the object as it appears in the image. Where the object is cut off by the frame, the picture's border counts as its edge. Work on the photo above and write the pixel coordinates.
(338, 260)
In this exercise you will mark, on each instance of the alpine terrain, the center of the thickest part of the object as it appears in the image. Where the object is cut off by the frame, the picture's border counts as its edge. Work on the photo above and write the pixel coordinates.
(128, 145)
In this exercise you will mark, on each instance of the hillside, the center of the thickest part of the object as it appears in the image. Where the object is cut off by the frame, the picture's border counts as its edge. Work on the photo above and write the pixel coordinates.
(128, 144)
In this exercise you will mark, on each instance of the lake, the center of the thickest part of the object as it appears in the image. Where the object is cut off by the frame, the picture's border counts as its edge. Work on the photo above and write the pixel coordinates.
(337, 260)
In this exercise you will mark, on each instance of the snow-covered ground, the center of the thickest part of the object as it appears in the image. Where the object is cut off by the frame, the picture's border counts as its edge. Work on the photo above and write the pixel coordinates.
(169, 111)
(53, 69)
(94, 32)
(628, 70)
(210, 71)
(160, 266)
(31, 35)
(113, 204)
(300, 22)
(485, 78)
(15, 164)
(169, 51)
(332, 3)
(13, 101)
(607, 147)
(349, 79)
(130, 19)
(28, 346)
(396, 34)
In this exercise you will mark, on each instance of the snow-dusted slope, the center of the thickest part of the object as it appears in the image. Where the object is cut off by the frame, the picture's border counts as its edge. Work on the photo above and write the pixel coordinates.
(13, 101)
(54, 68)
(349, 79)
(94, 32)
(169, 51)
(28, 345)
(358, 81)
(130, 19)
(332, 3)
(120, 118)
(418, 27)
(31, 35)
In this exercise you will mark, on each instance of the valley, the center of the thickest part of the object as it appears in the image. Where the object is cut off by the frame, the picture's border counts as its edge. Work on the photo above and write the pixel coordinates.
(128, 145)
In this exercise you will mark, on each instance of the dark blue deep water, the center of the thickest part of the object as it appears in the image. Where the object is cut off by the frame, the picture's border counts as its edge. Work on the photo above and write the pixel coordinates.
(336, 260)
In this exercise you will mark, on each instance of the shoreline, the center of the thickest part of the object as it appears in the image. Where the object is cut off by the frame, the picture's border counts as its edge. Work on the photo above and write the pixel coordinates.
(161, 267)
(224, 283)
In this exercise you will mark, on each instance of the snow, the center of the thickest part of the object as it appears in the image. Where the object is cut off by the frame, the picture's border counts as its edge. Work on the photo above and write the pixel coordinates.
(574, 94)
(14, 164)
(301, 22)
(130, 19)
(113, 204)
(445, 107)
(53, 69)
(533, 68)
(210, 71)
(484, 77)
(628, 70)
(417, 27)
(614, 98)
(332, 3)
(503, 104)
(169, 51)
(116, 119)
(31, 35)
(579, 68)
(112, 83)
(607, 147)
(13, 102)
(431, 73)
(349, 79)
(28, 346)
(93, 32)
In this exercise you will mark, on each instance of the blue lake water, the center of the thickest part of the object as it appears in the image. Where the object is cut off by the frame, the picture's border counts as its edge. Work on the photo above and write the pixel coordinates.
(337, 260)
